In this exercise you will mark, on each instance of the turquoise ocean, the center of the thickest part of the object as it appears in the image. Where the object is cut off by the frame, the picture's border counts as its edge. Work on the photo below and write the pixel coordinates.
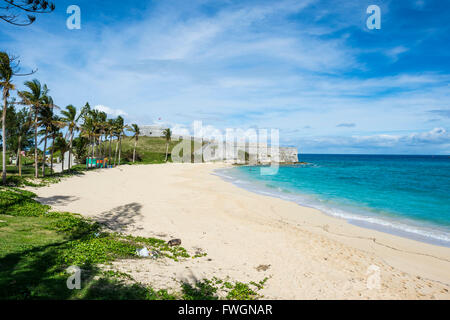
(407, 196)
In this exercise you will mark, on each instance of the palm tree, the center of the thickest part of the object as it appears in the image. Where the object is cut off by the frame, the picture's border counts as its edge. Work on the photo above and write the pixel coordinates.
(87, 128)
(119, 130)
(62, 146)
(24, 123)
(168, 135)
(136, 132)
(80, 146)
(97, 120)
(34, 99)
(70, 119)
(110, 133)
(101, 131)
(45, 119)
(9, 67)
(54, 131)
(6, 74)
(117, 135)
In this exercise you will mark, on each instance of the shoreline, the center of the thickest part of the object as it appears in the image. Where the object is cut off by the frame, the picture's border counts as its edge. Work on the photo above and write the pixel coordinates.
(400, 228)
(306, 254)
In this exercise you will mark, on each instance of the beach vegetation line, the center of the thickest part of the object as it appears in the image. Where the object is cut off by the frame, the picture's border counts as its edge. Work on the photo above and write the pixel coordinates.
(37, 246)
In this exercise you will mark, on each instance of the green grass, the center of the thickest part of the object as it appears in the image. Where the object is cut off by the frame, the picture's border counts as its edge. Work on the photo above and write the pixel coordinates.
(29, 180)
(208, 290)
(149, 150)
(37, 245)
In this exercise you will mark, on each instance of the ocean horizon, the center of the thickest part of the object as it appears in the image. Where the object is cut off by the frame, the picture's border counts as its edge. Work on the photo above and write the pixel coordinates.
(404, 195)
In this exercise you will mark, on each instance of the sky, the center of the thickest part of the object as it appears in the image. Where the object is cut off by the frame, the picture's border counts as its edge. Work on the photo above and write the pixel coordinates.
(310, 68)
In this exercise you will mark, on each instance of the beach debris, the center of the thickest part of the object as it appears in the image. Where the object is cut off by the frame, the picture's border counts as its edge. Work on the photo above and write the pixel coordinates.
(97, 234)
(142, 252)
(198, 251)
(155, 254)
(263, 267)
(174, 242)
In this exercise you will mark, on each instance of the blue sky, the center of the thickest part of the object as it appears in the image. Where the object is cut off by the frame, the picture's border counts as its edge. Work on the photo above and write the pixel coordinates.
(310, 68)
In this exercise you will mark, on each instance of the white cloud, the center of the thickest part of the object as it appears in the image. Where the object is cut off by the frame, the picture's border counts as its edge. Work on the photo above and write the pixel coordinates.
(110, 111)
(395, 52)
(437, 139)
(242, 66)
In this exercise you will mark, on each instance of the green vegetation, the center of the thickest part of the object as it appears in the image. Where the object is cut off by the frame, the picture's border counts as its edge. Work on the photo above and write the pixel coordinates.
(149, 150)
(85, 133)
(28, 179)
(38, 245)
(208, 290)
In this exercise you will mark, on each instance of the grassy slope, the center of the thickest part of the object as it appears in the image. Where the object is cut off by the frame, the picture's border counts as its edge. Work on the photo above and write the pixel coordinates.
(37, 245)
(27, 166)
(149, 149)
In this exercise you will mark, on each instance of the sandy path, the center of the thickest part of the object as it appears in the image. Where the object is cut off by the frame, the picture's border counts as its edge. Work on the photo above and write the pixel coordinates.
(310, 255)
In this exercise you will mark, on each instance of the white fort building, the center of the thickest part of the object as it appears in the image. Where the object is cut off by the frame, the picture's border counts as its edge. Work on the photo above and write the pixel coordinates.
(232, 151)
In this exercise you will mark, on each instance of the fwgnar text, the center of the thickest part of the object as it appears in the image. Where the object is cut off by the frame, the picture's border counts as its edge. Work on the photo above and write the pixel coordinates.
(227, 309)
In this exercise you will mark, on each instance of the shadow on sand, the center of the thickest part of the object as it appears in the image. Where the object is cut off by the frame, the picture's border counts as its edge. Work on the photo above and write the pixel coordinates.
(122, 218)
(57, 200)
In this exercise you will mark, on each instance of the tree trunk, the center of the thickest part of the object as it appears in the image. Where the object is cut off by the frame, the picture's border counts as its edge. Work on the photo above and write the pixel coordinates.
(70, 148)
(4, 140)
(167, 150)
(115, 154)
(120, 148)
(43, 157)
(109, 159)
(62, 164)
(93, 151)
(100, 146)
(134, 151)
(36, 171)
(19, 157)
(51, 155)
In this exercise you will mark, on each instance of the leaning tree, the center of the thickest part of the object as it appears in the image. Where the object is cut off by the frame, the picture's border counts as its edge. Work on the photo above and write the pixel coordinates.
(9, 67)
(13, 11)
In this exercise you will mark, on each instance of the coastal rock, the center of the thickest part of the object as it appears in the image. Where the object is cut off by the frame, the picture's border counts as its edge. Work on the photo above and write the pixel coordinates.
(174, 242)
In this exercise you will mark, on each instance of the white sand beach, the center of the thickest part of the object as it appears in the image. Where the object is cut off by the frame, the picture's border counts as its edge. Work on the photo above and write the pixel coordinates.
(247, 237)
